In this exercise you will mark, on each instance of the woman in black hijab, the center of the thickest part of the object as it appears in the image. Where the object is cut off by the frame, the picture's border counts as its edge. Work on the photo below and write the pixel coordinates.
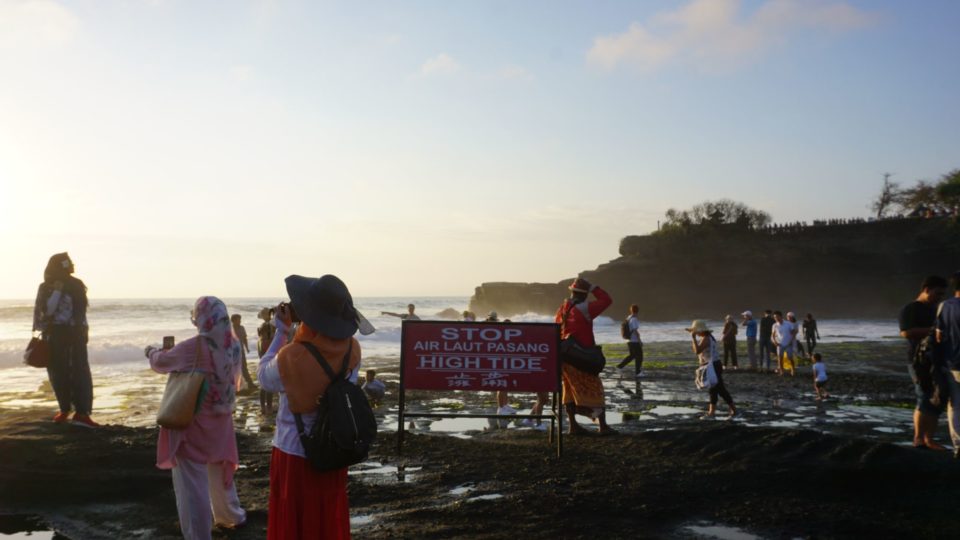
(60, 314)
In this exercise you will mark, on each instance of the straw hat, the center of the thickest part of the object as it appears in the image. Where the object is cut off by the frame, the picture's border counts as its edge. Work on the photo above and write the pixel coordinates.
(698, 326)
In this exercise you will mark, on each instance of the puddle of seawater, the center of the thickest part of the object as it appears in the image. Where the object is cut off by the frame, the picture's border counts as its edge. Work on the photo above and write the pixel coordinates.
(668, 410)
(490, 497)
(720, 532)
(361, 520)
(462, 490)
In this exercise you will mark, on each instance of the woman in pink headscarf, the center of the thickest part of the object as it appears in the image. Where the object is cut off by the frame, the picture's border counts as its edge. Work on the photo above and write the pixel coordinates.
(203, 457)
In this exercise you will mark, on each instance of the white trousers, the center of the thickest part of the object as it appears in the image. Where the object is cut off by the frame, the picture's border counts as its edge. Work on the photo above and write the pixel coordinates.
(953, 406)
(202, 500)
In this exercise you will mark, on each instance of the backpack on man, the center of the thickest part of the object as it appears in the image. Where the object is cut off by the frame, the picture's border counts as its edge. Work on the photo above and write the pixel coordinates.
(345, 427)
(625, 331)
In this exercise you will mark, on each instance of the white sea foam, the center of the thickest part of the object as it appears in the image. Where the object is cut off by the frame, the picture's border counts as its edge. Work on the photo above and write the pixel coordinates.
(120, 329)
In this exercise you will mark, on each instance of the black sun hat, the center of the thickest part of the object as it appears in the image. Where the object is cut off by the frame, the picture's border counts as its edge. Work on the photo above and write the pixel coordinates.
(325, 305)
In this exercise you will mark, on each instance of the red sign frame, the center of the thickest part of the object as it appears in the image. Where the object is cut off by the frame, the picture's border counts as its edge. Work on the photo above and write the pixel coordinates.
(515, 357)
(481, 357)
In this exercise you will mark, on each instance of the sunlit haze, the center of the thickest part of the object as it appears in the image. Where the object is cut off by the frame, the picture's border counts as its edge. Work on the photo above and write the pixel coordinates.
(179, 148)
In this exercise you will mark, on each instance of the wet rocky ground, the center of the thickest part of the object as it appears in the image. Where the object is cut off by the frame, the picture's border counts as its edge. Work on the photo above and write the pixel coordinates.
(785, 467)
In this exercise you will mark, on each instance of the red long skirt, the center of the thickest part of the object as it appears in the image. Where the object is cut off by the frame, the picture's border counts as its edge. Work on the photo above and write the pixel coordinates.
(306, 504)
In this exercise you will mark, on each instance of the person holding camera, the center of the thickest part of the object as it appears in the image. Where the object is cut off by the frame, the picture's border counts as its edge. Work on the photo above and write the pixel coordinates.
(304, 502)
(582, 391)
(204, 456)
(60, 315)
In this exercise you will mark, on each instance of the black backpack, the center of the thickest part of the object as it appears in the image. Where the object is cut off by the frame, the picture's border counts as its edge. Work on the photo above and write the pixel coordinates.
(345, 427)
(625, 329)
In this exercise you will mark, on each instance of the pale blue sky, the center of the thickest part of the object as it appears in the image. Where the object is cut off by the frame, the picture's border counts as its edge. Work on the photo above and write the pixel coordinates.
(180, 148)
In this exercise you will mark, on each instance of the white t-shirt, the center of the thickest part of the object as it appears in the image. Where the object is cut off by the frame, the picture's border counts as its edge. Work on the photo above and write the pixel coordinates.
(634, 324)
(783, 333)
(820, 371)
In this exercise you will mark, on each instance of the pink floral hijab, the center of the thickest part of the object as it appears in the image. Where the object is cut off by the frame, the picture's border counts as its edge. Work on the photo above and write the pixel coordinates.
(210, 317)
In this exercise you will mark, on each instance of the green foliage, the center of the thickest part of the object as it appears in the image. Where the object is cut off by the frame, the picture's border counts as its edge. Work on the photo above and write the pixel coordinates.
(716, 214)
(941, 197)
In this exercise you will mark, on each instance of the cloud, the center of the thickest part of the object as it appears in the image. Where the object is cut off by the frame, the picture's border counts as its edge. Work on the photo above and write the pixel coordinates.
(31, 23)
(516, 73)
(442, 64)
(243, 73)
(713, 34)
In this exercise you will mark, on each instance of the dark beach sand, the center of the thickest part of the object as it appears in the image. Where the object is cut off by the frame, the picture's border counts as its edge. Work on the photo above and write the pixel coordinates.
(661, 475)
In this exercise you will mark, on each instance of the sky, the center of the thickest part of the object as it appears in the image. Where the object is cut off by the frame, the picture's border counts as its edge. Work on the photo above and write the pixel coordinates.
(179, 148)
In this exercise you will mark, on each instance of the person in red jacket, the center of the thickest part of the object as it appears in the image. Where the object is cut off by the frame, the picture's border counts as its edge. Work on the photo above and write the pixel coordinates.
(583, 392)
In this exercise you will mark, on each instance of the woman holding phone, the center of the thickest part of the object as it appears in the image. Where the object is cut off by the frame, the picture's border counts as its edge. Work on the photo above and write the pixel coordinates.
(203, 457)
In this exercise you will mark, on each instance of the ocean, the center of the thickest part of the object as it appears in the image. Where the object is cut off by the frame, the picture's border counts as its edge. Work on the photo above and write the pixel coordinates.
(126, 388)
(121, 328)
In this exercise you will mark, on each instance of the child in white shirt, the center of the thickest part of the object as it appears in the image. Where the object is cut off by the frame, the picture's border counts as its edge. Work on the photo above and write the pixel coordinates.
(820, 377)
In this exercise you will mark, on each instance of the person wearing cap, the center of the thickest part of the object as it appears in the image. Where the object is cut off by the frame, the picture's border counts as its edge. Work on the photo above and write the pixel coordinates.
(729, 339)
(304, 502)
(582, 392)
(784, 336)
(751, 330)
(408, 316)
(705, 347)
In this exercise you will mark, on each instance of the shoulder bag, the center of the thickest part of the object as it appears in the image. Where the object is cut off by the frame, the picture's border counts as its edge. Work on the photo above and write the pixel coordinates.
(587, 359)
(183, 395)
(37, 354)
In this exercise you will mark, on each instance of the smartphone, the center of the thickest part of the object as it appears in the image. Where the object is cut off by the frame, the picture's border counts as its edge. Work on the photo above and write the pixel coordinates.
(168, 342)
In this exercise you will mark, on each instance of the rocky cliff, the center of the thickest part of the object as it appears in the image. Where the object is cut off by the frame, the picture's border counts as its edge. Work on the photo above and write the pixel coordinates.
(861, 270)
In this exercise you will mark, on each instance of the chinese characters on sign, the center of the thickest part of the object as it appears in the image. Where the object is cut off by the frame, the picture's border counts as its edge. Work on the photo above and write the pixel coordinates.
(480, 356)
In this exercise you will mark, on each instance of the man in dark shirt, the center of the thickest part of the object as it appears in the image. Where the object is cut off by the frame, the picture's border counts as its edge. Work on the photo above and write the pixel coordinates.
(948, 336)
(917, 319)
(766, 344)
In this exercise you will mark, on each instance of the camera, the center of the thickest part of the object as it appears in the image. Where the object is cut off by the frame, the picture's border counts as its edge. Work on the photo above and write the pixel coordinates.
(287, 308)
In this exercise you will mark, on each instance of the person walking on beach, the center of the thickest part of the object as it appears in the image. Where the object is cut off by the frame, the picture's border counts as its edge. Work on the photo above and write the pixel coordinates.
(60, 315)
(705, 347)
(784, 334)
(265, 333)
(241, 334)
(916, 320)
(304, 502)
(766, 339)
(582, 391)
(203, 457)
(408, 316)
(751, 330)
(729, 341)
(810, 333)
(948, 336)
(635, 345)
(819, 377)
(373, 387)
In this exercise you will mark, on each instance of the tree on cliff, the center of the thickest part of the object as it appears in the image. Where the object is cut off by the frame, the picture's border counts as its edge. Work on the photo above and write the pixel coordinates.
(889, 195)
(723, 212)
(940, 197)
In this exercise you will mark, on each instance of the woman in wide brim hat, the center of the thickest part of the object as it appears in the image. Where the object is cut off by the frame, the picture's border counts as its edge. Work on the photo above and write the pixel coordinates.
(305, 503)
(705, 347)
